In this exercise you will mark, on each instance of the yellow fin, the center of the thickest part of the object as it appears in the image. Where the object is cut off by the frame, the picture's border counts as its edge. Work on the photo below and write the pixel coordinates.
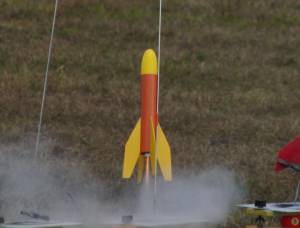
(164, 154)
(132, 151)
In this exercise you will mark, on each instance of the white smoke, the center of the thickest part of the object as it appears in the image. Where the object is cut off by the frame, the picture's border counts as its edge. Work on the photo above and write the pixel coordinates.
(42, 186)
(66, 194)
(207, 197)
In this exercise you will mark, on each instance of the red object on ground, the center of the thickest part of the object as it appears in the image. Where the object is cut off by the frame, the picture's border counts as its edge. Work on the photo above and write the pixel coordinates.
(290, 221)
(289, 156)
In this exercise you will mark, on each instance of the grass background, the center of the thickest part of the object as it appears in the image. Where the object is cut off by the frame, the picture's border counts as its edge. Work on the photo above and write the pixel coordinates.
(229, 83)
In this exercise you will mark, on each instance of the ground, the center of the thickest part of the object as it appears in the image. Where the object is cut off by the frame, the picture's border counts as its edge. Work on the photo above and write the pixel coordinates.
(229, 83)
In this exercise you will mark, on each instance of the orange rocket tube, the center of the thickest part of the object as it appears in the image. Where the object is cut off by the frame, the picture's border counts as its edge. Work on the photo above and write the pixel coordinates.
(148, 99)
(148, 109)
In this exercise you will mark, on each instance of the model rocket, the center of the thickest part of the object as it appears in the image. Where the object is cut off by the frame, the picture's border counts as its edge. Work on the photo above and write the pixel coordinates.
(147, 143)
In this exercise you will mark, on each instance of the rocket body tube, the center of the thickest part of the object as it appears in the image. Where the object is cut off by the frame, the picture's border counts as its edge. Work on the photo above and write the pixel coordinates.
(148, 100)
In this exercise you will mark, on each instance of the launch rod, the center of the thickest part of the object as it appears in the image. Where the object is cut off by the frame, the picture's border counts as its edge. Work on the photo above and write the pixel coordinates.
(297, 192)
(157, 103)
(38, 137)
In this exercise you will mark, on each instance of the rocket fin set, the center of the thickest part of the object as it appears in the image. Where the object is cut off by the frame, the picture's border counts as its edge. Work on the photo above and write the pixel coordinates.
(143, 141)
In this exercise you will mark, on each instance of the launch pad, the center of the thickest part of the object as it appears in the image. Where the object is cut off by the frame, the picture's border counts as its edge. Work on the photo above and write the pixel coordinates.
(35, 220)
(286, 207)
(289, 213)
(39, 224)
(156, 221)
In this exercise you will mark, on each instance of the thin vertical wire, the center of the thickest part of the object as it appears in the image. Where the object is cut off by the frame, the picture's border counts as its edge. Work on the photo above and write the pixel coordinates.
(38, 137)
(157, 103)
(297, 192)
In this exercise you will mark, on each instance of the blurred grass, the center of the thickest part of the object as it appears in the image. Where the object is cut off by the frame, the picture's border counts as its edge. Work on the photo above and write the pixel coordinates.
(229, 87)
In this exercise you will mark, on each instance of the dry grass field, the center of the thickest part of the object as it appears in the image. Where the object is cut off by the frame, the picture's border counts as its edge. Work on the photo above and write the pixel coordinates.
(229, 83)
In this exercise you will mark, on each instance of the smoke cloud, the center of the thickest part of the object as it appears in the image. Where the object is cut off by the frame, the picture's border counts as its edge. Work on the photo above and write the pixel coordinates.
(65, 194)
(207, 197)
